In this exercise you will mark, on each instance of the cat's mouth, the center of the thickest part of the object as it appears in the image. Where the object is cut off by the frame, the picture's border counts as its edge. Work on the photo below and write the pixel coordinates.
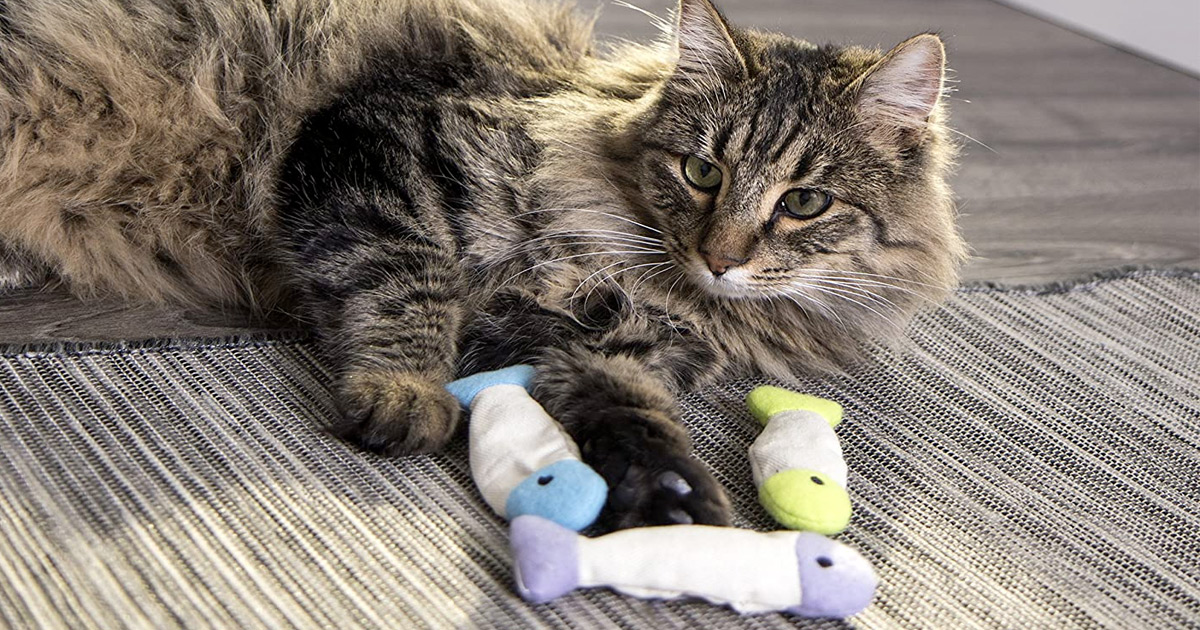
(734, 284)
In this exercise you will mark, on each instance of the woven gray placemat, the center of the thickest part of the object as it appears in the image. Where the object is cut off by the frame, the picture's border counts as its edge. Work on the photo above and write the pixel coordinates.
(1029, 458)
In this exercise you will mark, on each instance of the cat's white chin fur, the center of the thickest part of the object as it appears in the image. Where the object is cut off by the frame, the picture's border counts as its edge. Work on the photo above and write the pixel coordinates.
(733, 284)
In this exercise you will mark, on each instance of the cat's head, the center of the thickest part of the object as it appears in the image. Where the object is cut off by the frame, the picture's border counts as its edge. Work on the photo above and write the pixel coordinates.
(779, 170)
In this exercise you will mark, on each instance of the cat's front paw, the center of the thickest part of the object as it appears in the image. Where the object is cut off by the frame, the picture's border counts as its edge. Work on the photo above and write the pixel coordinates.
(652, 477)
(393, 412)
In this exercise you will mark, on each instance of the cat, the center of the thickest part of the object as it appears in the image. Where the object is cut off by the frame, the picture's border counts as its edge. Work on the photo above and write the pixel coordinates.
(446, 186)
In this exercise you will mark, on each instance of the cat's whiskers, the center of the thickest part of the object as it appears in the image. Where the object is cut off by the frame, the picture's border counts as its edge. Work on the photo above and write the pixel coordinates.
(859, 282)
(869, 279)
(875, 303)
(856, 290)
(800, 291)
(651, 265)
(875, 275)
(587, 210)
(824, 308)
(573, 256)
(648, 275)
(582, 283)
(609, 276)
(615, 234)
(547, 242)
(858, 287)
(667, 302)
(957, 132)
(613, 248)
(634, 246)
(847, 296)
(599, 240)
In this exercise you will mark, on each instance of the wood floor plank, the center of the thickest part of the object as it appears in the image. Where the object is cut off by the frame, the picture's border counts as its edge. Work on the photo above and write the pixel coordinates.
(1094, 158)
(1027, 240)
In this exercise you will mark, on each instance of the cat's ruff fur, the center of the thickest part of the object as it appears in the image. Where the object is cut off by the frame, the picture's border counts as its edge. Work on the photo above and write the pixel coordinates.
(455, 185)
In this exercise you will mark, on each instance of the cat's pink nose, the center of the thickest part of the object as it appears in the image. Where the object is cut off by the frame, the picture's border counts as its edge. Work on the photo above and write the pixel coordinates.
(718, 264)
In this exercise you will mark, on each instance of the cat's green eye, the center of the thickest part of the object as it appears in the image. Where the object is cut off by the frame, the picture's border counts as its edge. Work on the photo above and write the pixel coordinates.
(805, 203)
(703, 175)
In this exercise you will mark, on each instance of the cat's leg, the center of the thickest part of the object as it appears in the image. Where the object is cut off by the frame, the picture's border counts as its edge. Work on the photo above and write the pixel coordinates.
(612, 396)
(387, 291)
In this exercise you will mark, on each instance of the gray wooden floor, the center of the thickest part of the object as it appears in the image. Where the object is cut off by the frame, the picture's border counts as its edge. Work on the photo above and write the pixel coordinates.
(1082, 157)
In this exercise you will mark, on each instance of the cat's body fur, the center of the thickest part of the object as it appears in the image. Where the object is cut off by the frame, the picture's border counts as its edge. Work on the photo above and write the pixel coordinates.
(434, 185)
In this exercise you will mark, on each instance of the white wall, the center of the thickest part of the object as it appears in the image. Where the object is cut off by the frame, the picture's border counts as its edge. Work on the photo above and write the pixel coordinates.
(1167, 30)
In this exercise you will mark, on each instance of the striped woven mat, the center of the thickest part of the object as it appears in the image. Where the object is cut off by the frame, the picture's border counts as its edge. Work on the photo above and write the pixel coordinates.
(1027, 459)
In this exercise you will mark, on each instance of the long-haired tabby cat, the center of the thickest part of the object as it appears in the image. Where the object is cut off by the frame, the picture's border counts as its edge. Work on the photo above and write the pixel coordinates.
(446, 186)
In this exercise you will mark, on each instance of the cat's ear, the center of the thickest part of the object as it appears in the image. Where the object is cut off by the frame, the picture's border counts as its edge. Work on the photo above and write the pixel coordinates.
(902, 90)
(708, 53)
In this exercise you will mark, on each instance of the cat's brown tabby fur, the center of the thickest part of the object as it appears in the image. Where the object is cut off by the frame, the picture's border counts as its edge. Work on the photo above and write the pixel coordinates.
(444, 186)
